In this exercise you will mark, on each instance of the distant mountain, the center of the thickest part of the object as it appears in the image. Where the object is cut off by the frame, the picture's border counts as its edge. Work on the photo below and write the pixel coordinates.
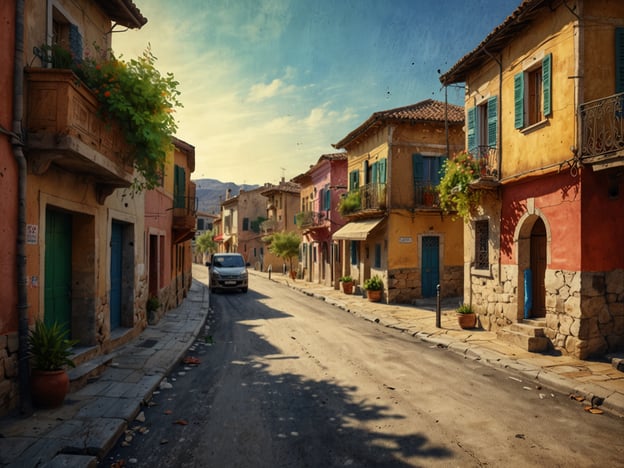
(211, 192)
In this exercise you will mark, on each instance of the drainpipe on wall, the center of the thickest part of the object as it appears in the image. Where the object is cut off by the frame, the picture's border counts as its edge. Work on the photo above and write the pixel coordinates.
(18, 145)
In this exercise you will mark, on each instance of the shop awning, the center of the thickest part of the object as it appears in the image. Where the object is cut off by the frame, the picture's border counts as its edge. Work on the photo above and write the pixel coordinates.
(357, 230)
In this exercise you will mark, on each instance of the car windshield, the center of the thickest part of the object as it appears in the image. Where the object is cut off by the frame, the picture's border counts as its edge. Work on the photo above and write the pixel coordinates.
(228, 261)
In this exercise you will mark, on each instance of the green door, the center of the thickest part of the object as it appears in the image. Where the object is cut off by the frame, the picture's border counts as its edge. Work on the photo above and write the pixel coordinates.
(430, 272)
(58, 268)
(116, 274)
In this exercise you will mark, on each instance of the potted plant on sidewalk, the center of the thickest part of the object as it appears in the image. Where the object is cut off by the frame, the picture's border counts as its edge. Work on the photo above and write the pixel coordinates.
(374, 288)
(50, 351)
(347, 284)
(466, 316)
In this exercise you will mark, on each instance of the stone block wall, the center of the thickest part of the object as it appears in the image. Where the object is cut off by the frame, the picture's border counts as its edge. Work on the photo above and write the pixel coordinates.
(404, 285)
(9, 386)
(585, 311)
(495, 301)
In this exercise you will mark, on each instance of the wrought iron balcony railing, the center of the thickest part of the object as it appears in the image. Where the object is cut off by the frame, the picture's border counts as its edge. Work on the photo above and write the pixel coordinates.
(310, 219)
(487, 157)
(602, 126)
(425, 195)
(373, 197)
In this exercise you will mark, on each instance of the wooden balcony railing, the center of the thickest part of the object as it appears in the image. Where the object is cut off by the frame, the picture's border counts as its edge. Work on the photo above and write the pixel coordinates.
(184, 218)
(602, 129)
(487, 158)
(65, 128)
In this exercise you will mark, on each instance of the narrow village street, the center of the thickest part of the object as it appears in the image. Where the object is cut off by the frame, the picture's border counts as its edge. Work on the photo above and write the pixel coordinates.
(281, 379)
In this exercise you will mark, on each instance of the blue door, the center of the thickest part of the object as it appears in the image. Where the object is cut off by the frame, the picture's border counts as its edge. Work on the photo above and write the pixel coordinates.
(430, 265)
(115, 274)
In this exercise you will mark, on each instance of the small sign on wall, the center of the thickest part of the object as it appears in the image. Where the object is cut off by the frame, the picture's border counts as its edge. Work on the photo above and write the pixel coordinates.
(405, 240)
(32, 233)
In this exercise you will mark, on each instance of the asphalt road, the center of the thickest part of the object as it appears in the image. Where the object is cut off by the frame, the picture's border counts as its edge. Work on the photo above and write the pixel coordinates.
(285, 380)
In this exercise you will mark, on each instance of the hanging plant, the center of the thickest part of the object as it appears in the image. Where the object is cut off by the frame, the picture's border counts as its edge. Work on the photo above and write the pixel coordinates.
(134, 95)
(454, 191)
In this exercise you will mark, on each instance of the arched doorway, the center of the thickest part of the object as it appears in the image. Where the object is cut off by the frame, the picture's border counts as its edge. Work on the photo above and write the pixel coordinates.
(538, 268)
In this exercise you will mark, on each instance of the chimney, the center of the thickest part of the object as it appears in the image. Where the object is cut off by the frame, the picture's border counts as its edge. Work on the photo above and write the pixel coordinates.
(228, 193)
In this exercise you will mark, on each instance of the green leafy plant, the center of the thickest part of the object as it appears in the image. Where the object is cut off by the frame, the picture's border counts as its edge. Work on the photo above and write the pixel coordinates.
(152, 304)
(454, 192)
(464, 309)
(373, 284)
(350, 203)
(49, 347)
(346, 279)
(284, 245)
(206, 243)
(135, 95)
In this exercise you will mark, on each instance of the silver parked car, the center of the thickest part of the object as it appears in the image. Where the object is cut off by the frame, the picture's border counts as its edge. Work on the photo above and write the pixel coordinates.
(228, 271)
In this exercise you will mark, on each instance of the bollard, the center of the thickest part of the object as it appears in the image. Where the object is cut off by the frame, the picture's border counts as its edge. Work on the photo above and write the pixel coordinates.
(270, 269)
(438, 308)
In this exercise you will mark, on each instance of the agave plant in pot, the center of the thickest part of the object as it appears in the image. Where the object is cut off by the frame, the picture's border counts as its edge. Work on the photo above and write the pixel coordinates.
(466, 316)
(50, 353)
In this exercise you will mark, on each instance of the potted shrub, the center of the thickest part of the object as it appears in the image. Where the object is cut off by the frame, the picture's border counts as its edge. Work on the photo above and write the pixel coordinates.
(347, 284)
(49, 351)
(466, 316)
(374, 288)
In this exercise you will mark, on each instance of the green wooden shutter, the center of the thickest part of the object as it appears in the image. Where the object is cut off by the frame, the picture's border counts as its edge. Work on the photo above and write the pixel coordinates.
(547, 84)
(492, 119)
(519, 100)
(375, 172)
(179, 187)
(354, 180)
(383, 163)
(327, 199)
(619, 60)
(472, 129)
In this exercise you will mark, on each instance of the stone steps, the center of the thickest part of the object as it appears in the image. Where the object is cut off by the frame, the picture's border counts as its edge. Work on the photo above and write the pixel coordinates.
(80, 375)
(528, 335)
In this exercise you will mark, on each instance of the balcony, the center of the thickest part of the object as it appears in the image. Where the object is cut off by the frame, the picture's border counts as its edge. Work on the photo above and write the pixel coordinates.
(487, 160)
(425, 196)
(373, 197)
(64, 128)
(308, 220)
(602, 132)
(184, 218)
(270, 225)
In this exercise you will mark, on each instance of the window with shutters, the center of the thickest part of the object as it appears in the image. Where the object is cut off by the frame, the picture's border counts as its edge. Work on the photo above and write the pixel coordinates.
(179, 187)
(482, 252)
(482, 127)
(245, 224)
(532, 94)
(354, 180)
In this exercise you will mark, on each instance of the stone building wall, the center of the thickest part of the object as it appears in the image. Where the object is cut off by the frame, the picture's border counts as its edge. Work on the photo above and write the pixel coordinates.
(405, 284)
(585, 311)
(495, 301)
(9, 387)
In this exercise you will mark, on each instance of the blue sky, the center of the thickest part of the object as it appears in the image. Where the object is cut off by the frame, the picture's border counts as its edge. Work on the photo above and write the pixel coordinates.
(269, 85)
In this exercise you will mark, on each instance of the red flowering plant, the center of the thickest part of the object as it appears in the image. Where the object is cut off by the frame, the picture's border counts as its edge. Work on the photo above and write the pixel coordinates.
(133, 94)
(454, 190)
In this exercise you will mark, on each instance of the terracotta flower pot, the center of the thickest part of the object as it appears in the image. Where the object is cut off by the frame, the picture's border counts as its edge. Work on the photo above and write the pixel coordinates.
(48, 388)
(467, 321)
(374, 295)
(347, 288)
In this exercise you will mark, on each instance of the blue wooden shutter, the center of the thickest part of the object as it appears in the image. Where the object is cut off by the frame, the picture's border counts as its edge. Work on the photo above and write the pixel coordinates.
(519, 100)
(354, 258)
(417, 168)
(472, 129)
(547, 84)
(619, 60)
(354, 180)
(492, 117)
